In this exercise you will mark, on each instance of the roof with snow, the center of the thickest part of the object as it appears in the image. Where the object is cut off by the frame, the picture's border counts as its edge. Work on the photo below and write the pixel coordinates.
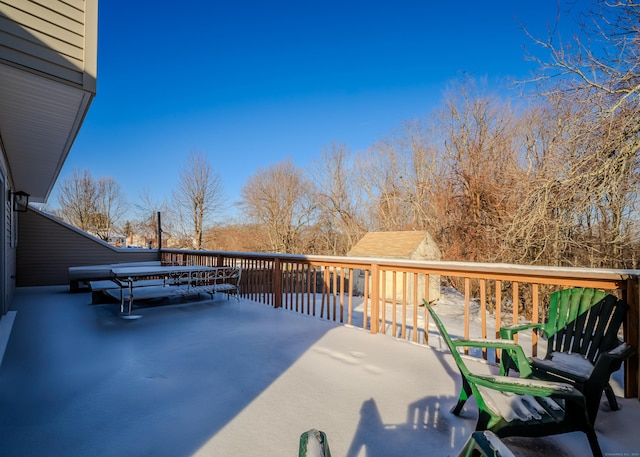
(415, 245)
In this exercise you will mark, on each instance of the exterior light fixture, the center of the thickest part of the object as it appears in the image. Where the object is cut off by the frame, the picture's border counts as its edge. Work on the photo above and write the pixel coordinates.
(20, 201)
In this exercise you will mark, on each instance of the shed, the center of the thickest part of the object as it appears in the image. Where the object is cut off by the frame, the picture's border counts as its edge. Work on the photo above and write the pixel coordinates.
(405, 245)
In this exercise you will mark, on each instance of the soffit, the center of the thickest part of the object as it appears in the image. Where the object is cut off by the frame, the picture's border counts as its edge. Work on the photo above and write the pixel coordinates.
(39, 119)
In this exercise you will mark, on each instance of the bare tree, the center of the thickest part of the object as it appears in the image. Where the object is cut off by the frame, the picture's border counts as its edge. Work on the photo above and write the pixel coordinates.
(482, 171)
(381, 180)
(95, 206)
(199, 195)
(587, 179)
(110, 207)
(77, 197)
(146, 222)
(339, 199)
(279, 199)
(416, 160)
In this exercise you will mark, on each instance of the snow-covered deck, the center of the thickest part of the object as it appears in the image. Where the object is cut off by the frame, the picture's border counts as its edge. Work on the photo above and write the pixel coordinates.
(221, 378)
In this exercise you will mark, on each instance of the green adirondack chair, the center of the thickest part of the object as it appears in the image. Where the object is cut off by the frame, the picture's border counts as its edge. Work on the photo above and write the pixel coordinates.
(314, 443)
(510, 406)
(485, 444)
(582, 343)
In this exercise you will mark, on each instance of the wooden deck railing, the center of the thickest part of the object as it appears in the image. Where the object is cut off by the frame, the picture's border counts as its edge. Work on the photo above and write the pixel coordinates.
(380, 294)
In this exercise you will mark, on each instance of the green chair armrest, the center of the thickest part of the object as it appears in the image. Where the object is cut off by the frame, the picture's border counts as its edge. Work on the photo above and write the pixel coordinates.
(508, 331)
(515, 351)
(620, 352)
(610, 361)
(534, 387)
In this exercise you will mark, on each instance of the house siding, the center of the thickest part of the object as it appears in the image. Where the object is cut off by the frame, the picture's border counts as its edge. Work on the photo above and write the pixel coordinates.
(47, 248)
(7, 248)
(52, 37)
(10, 256)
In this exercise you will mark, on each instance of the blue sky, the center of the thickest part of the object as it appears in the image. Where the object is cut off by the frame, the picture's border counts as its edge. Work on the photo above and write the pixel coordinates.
(252, 83)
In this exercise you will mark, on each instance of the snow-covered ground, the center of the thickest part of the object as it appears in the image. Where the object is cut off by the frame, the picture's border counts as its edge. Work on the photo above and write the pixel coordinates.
(220, 378)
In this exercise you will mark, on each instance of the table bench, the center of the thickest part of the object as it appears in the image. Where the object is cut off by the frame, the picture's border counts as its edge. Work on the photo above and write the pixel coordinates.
(142, 283)
(80, 276)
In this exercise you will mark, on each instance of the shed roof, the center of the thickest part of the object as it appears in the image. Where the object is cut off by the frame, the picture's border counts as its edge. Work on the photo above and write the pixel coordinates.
(402, 244)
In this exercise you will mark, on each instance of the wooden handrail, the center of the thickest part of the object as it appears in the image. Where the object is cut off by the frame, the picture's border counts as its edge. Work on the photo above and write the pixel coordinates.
(292, 281)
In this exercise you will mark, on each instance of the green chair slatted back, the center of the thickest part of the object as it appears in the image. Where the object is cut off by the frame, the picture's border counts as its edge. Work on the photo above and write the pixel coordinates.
(592, 331)
(566, 305)
(591, 334)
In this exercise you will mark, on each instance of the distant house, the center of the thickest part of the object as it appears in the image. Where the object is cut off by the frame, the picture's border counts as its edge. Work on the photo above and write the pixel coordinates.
(408, 245)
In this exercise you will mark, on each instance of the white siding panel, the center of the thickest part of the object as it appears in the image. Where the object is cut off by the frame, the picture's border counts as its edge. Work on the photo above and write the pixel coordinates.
(77, 4)
(65, 9)
(62, 28)
(54, 37)
(31, 41)
(42, 53)
(39, 54)
(20, 58)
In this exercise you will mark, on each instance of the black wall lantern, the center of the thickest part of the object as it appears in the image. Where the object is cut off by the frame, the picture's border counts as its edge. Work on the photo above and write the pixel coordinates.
(20, 201)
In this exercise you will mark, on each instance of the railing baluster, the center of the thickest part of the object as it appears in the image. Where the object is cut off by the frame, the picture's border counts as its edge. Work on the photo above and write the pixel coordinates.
(383, 295)
(365, 313)
(515, 305)
(297, 283)
(375, 298)
(335, 291)
(350, 299)
(315, 288)
(404, 304)
(534, 318)
(483, 314)
(425, 317)
(498, 296)
(394, 305)
(415, 307)
(467, 301)
(278, 280)
(324, 291)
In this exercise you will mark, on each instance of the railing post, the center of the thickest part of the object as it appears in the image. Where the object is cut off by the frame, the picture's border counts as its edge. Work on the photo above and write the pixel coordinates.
(277, 284)
(375, 298)
(632, 336)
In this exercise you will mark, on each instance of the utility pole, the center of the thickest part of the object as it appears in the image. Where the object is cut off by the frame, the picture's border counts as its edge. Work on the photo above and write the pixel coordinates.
(159, 237)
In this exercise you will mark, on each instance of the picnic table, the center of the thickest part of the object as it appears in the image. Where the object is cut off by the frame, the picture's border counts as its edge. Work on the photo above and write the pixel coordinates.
(168, 280)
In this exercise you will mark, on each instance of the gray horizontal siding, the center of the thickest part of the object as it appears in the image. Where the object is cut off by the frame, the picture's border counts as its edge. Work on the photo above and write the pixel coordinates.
(53, 37)
(10, 260)
(47, 248)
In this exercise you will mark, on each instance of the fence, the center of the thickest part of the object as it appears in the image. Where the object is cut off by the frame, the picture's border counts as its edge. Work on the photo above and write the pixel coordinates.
(383, 295)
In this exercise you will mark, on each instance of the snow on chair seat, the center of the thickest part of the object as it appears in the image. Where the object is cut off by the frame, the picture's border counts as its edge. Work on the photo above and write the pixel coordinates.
(582, 334)
(510, 406)
(485, 444)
